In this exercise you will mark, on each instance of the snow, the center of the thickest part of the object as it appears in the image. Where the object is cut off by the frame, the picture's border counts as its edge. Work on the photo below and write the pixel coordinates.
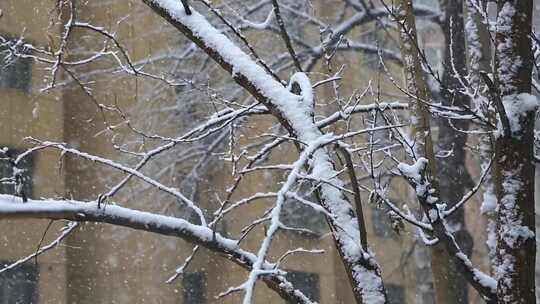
(489, 207)
(506, 265)
(259, 26)
(64, 232)
(511, 228)
(484, 279)
(415, 173)
(479, 276)
(491, 241)
(474, 47)
(508, 64)
(12, 205)
(345, 113)
(517, 232)
(433, 215)
(489, 202)
(370, 284)
(307, 90)
(275, 223)
(35, 111)
(296, 111)
(241, 63)
(172, 191)
(517, 107)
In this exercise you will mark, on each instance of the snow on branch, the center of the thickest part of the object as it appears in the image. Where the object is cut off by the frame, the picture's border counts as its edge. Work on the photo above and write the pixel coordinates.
(123, 168)
(13, 207)
(435, 211)
(294, 115)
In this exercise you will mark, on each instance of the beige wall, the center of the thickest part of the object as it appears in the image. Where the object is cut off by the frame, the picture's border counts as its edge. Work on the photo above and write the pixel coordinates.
(39, 116)
(105, 264)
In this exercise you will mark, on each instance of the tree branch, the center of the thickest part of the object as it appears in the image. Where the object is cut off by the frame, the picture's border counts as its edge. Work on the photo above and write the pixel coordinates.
(285, 35)
(363, 270)
(12, 207)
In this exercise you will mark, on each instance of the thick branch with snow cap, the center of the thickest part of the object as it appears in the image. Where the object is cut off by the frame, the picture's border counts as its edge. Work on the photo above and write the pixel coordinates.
(13, 207)
(292, 113)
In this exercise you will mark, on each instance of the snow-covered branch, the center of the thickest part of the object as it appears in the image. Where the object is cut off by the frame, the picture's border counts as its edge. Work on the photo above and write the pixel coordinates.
(295, 117)
(13, 207)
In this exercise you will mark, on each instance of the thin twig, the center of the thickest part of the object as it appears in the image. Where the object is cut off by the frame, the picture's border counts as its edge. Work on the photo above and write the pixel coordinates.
(285, 36)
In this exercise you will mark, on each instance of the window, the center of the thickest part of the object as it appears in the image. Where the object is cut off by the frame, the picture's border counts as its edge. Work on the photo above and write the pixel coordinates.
(434, 57)
(306, 282)
(15, 73)
(377, 38)
(396, 294)
(19, 285)
(6, 170)
(432, 4)
(194, 288)
(382, 227)
(370, 60)
(427, 295)
(431, 44)
(298, 215)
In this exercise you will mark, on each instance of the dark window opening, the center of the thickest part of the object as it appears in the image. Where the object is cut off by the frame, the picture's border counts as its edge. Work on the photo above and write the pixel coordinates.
(428, 294)
(377, 39)
(370, 59)
(295, 214)
(19, 285)
(6, 172)
(15, 72)
(396, 294)
(382, 227)
(306, 282)
(194, 288)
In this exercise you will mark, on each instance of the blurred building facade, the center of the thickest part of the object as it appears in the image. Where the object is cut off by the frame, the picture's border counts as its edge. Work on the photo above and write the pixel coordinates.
(105, 264)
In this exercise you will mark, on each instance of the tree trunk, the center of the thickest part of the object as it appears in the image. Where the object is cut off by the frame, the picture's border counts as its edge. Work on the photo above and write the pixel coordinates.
(479, 53)
(516, 247)
(421, 130)
(452, 167)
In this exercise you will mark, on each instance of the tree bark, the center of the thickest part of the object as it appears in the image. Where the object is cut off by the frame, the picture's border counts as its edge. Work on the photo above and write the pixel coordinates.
(421, 130)
(447, 250)
(479, 51)
(452, 167)
(516, 247)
